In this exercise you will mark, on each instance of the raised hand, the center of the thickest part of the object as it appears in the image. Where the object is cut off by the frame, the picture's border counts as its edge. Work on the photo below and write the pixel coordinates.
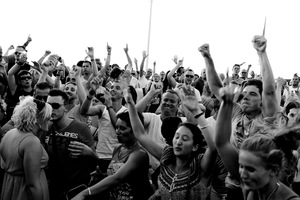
(29, 39)
(189, 99)
(11, 47)
(47, 52)
(228, 93)
(128, 95)
(108, 48)
(107, 97)
(204, 50)
(144, 54)
(95, 83)
(126, 49)
(22, 59)
(77, 71)
(135, 61)
(90, 52)
(154, 63)
(280, 81)
(259, 43)
(175, 59)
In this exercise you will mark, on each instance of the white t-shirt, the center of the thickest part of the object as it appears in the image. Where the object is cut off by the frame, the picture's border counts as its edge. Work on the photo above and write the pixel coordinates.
(143, 82)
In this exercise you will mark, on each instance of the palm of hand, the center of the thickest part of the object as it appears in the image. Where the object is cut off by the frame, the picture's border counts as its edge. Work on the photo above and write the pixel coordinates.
(189, 99)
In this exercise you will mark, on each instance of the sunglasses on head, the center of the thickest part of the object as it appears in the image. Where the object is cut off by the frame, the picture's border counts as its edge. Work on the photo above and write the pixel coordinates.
(25, 78)
(189, 76)
(55, 105)
(42, 98)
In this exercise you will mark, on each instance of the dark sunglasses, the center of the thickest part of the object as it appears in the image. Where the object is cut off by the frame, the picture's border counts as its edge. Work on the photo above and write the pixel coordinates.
(42, 98)
(25, 78)
(189, 76)
(55, 105)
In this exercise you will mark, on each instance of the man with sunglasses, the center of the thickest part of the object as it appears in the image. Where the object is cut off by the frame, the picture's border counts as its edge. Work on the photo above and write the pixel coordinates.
(70, 148)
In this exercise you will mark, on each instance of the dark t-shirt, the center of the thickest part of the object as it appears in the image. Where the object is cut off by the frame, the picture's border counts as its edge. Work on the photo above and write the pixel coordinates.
(64, 171)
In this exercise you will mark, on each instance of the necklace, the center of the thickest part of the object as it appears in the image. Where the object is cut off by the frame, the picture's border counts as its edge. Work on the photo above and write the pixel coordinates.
(275, 189)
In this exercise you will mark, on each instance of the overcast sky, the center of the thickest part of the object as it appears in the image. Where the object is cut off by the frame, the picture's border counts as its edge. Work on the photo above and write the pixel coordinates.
(179, 27)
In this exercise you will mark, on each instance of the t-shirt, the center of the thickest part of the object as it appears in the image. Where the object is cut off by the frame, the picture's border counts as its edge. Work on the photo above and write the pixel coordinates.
(107, 137)
(143, 81)
(64, 171)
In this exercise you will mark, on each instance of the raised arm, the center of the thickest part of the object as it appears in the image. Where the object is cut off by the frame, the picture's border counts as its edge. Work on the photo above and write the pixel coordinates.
(129, 66)
(138, 129)
(90, 53)
(172, 81)
(136, 68)
(44, 76)
(29, 39)
(212, 76)
(80, 89)
(47, 53)
(227, 151)
(142, 63)
(107, 61)
(269, 99)
(142, 104)
(11, 47)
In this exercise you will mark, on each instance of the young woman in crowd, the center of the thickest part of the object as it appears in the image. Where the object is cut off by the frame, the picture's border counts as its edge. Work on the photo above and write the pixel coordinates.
(128, 171)
(22, 156)
(186, 166)
(257, 165)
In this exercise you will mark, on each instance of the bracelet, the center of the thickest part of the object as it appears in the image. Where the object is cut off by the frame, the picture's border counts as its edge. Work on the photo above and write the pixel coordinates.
(89, 191)
(92, 59)
(203, 127)
(199, 115)
(109, 107)
(88, 98)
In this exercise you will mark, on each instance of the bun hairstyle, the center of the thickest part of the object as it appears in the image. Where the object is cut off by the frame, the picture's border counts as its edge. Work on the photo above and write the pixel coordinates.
(276, 152)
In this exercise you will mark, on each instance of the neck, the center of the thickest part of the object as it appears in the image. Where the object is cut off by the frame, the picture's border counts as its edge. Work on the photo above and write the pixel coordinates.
(117, 105)
(253, 114)
(268, 191)
(62, 122)
(130, 144)
(27, 88)
(182, 165)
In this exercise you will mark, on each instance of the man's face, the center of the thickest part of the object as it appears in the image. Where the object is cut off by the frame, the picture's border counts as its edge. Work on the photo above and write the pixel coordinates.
(189, 77)
(162, 75)
(252, 74)
(243, 74)
(295, 81)
(41, 95)
(71, 91)
(25, 80)
(58, 107)
(149, 73)
(18, 53)
(236, 69)
(156, 78)
(86, 68)
(251, 101)
(169, 104)
(116, 91)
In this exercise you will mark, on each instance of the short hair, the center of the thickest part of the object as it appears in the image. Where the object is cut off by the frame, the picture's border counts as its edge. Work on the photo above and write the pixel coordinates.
(24, 114)
(23, 72)
(56, 92)
(255, 82)
(86, 61)
(124, 116)
(43, 86)
(171, 91)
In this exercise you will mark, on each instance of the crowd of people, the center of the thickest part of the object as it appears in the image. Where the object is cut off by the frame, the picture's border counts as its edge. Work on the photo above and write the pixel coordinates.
(103, 131)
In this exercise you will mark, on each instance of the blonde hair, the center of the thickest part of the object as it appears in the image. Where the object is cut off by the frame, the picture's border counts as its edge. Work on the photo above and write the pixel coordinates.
(24, 115)
(46, 112)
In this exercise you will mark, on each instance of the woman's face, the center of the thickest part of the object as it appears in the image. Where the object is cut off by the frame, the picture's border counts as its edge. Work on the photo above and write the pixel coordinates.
(183, 142)
(123, 131)
(253, 172)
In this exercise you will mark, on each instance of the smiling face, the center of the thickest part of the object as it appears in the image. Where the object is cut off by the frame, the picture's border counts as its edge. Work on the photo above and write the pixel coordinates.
(116, 91)
(189, 77)
(71, 90)
(251, 101)
(183, 142)
(123, 131)
(252, 170)
(169, 105)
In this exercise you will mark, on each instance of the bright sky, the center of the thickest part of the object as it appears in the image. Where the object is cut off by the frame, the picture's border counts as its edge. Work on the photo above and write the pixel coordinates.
(179, 27)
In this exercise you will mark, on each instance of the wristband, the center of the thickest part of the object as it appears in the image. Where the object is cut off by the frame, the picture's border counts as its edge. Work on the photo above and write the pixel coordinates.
(92, 59)
(109, 107)
(89, 191)
(88, 98)
(199, 115)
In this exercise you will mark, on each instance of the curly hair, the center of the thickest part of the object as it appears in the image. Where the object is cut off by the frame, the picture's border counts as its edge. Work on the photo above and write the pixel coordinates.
(24, 115)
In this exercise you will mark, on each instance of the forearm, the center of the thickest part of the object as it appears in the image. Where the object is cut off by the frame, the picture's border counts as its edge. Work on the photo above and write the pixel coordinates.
(142, 104)
(129, 67)
(223, 125)
(35, 191)
(40, 61)
(14, 69)
(80, 90)
(94, 67)
(107, 63)
(102, 186)
(142, 67)
(213, 78)
(84, 108)
(135, 121)
(266, 72)
(56, 82)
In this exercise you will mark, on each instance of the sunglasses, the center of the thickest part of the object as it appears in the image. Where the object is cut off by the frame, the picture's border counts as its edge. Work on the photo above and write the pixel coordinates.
(25, 78)
(189, 76)
(42, 98)
(55, 105)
